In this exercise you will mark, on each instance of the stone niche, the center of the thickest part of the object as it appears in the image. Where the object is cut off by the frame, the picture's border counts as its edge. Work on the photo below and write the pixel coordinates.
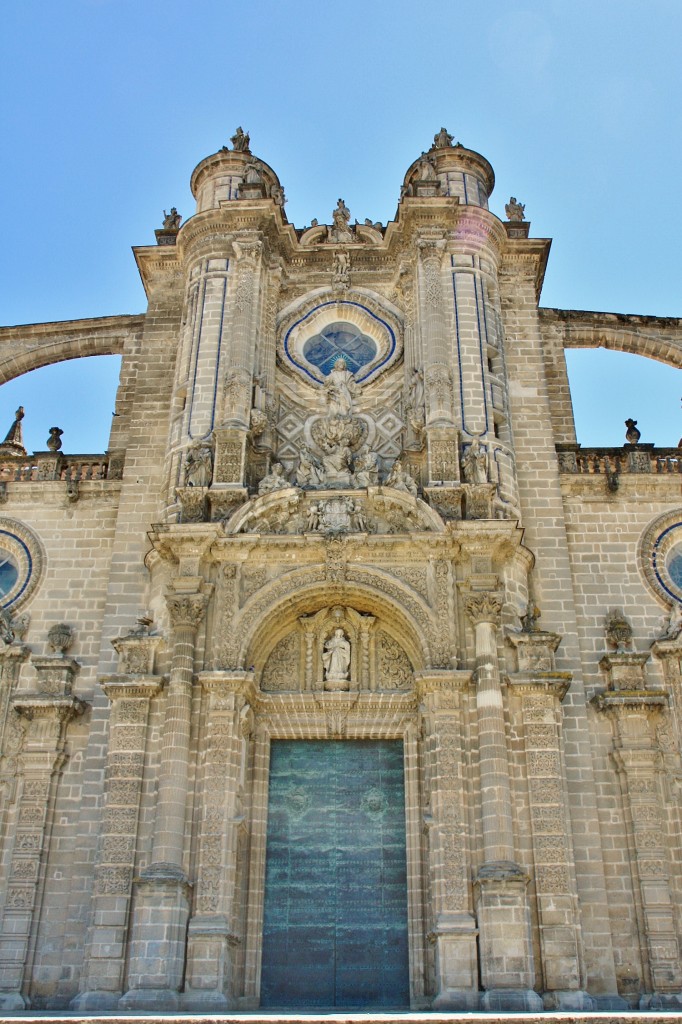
(337, 648)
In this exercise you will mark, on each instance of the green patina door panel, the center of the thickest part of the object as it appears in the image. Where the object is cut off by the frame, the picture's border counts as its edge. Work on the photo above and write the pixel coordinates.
(335, 923)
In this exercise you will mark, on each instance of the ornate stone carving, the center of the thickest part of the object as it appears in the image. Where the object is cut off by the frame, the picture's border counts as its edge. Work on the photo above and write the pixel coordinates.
(341, 271)
(400, 480)
(199, 464)
(485, 607)
(186, 610)
(475, 463)
(618, 631)
(515, 210)
(275, 480)
(340, 231)
(193, 505)
(282, 669)
(394, 668)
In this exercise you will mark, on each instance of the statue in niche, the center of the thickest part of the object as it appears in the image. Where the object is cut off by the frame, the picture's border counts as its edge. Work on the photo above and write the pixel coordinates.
(274, 481)
(341, 270)
(415, 407)
(514, 209)
(442, 140)
(475, 463)
(240, 141)
(336, 461)
(309, 472)
(199, 465)
(340, 389)
(401, 480)
(336, 658)
(341, 230)
(366, 468)
(673, 625)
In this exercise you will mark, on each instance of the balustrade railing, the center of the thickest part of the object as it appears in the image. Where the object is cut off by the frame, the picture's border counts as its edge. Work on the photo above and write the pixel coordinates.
(610, 462)
(49, 466)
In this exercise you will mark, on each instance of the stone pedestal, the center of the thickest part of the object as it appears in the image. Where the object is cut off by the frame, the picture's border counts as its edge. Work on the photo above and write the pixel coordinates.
(452, 929)
(215, 930)
(161, 911)
(130, 695)
(540, 690)
(47, 713)
(503, 914)
(230, 454)
(156, 970)
(635, 710)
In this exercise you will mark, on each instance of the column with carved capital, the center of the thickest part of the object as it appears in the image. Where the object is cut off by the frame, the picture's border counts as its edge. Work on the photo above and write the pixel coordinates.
(452, 928)
(216, 931)
(157, 946)
(47, 713)
(238, 365)
(130, 692)
(443, 458)
(506, 951)
(636, 711)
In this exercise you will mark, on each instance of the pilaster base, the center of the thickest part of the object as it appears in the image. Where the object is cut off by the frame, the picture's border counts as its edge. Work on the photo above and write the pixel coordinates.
(157, 948)
(575, 1001)
(506, 950)
(456, 961)
(515, 1000)
(661, 1001)
(209, 963)
(13, 1001)
(95, 1002)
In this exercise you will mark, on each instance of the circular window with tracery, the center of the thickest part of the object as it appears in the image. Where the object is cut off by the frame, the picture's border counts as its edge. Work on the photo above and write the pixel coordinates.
(339, 341)
(661, 556)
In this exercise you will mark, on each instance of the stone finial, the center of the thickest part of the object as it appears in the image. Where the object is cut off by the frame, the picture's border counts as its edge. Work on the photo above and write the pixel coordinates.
(14, 442)
(60, 638)
(241, 141)
(632, 434)
(515, 210)
(618, 631)
(54, 441)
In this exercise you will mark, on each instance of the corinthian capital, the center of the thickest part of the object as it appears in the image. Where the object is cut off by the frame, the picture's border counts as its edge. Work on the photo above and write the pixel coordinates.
(485, 607)
(186, 609)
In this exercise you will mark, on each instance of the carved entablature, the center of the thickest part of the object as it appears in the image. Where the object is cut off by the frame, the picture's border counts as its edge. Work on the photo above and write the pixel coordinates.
(337, 649)
(376, 510)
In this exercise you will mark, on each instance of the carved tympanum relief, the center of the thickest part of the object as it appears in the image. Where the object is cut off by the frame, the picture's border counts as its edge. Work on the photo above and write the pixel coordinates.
(337, 648)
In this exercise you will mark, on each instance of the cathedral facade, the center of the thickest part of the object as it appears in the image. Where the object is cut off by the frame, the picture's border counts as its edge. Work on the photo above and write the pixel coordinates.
(346, 678)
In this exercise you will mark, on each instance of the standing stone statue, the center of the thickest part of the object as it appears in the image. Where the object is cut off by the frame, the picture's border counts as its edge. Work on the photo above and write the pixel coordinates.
(340, 231)
(514, 209)
(475, 464)
(199, 465)
(336, 658)
(442, 139)
(240, 141)
(309, 472)
(340, 389)
(172, 220)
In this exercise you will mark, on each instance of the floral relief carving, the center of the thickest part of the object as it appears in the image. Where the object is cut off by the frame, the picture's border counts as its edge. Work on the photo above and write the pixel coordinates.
(283, 668)
(395, 670)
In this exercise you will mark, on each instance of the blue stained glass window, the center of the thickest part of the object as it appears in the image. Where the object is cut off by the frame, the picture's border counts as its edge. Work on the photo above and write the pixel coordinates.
(339, 341)
(675, 569)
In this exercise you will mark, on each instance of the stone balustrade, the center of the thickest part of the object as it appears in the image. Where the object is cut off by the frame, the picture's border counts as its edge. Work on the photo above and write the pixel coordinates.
(48, 466)
(630, 458)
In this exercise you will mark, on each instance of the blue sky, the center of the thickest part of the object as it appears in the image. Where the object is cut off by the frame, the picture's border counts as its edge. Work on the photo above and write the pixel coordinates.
(107, 105)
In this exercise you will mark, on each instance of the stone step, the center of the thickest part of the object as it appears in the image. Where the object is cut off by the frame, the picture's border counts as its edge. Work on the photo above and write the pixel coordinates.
(420, 1017)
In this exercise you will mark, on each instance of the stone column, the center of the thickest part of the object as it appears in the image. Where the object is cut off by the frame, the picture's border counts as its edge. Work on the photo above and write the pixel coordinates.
(216, 931)
(452, 928)
(540, 690)
(506, 952)
(635, 711)
(239, 364)
(42, 757)
(157, 946)
(129, 693)
(443, 452)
